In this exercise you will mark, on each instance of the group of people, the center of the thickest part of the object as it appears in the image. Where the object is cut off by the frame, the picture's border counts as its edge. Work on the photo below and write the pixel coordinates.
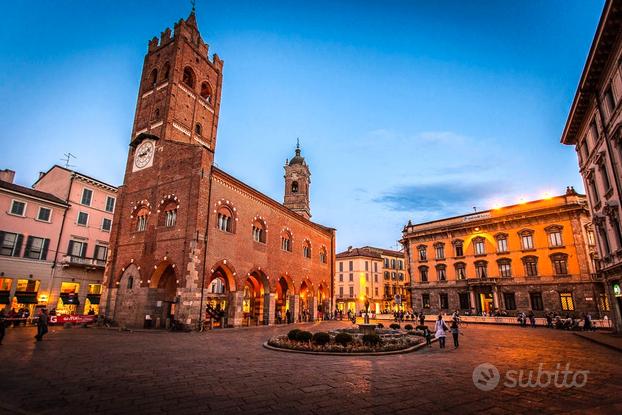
(42, 321)
(441, 329)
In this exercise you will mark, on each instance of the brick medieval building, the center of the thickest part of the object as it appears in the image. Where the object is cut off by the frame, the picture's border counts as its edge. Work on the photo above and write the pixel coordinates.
(186, 234)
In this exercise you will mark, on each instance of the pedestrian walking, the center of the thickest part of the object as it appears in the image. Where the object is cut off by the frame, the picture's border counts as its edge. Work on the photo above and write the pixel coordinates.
(440, 329)
(2, 325)
(455, 332)
(532, 319)
(421, 318)
(42, 324)
(549, 320)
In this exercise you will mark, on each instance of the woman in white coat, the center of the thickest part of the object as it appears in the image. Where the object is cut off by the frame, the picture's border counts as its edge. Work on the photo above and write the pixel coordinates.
(440, 329)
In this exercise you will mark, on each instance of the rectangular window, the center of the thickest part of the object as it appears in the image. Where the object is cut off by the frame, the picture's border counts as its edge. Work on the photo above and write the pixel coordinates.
(94, 289)
(502, 245)
(424, 274)
(341, 292)
(440, 252)
(77, 249)
(341, 267)
(31, 286)
(536, 301)
(594, 131)
(441, 274)
(110, 202)
(459, 250)
(142, 223)
(340, 277)
(527, 241)
(376, 291)
(375, 267)
(531, 268)
(481, 271)
(460, 272)
(83, 218)
(594, 189)
(106, 225)
(425, 299)
(36, 248)
(351, 277)
(101, 253)
(505, 270)
(585, 153)
(465, 303)
(366, 266)
(375, 277)
(560, 266)
(480, 247)
(10, 244)
(45, 214)
(603, 302)
(18, 208)
(555, 239)
(351, 292)
(87, 195)
(423, 256)
(605, 176)
(5, 284)
(351, 266)
(566, 301)
(610, 100)
(510, 301)
(444, 301)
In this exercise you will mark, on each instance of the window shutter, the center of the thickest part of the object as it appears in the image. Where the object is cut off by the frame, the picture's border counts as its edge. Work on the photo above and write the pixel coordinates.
(83, 253)
(17, 249)
(44, 251)
(70, 248)
(28, 246)
(1, 238)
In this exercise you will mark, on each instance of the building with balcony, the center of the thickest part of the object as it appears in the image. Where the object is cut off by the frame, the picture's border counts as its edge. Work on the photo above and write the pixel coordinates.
(594, 128)
(532, 256)
(54, 240)
(375, 274)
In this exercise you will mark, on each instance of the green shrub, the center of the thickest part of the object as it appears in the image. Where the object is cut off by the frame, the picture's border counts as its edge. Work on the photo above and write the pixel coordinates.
(321, 338)
(293, 334)
(395, 326)
(371, 339)
(408, 327)
(344, 339)
(380, 325)
(304, 336)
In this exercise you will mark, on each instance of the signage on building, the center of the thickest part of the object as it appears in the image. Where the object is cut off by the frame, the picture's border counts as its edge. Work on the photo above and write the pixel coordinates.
(478, 216)
(616, 290)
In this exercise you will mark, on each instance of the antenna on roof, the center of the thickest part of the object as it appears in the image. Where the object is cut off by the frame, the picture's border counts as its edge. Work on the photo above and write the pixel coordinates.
(474, 208)
(67, 159)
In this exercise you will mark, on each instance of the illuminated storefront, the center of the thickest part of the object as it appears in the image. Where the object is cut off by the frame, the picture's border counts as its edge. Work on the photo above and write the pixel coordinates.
(91, 304)
(5, 292)
(68, 300)
(25, 297)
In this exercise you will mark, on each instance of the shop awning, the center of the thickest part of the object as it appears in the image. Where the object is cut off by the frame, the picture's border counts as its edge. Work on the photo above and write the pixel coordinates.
(5, 297)
(93, 298)
(26, 297)
(70, 298)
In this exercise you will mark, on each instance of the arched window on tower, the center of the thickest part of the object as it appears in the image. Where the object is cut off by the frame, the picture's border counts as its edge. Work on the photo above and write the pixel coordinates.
(141, 219)
(294, 187)
(166, 69)
(198, 130)
(188, 78)
(153, 80)
(225, 219)
(206, 92)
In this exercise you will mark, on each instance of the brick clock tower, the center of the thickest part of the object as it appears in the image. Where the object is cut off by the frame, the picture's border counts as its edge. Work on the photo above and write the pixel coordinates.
(162, 209)
(297, 183)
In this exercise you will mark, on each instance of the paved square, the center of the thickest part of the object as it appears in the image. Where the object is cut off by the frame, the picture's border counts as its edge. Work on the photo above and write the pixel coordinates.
(228, 371)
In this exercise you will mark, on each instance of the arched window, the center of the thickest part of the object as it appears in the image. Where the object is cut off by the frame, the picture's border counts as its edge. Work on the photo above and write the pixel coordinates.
(306, 249)
(439, 249)
(458, 248)
(423, 272)
(141, 219)
(460, 270)
(423, 252)
(286, 241)
(481, 269)
(225, 219)
(166, 69)
(153, 79)
(441, 272)
(502, 242)
(479, 246)
(560, 264)
(188, 77)
(259, 231)
(554, 233)
(387, 275)
(206, 92)
(323, 255)
(217, 286)
(198, 129)
(294, 187)
(526, 239)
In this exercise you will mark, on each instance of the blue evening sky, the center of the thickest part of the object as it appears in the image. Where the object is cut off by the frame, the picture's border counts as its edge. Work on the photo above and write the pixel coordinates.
(406, 109)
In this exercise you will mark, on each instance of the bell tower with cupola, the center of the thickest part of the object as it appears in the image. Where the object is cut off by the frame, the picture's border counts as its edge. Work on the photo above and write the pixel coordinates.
(180, 88)
(297, 183)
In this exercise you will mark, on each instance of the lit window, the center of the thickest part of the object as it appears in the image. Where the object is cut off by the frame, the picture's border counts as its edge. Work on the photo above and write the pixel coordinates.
(527, 240)
(566, 301)
(479, 246)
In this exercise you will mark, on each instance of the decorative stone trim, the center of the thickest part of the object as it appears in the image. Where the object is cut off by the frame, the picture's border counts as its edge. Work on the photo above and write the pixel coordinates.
(182, 129)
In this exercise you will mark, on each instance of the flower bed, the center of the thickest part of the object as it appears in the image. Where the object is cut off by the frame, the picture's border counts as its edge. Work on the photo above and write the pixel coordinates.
(386, 341)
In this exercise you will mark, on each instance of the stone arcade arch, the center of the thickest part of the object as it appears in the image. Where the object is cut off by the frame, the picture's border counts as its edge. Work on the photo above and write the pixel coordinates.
(256, 299)
(323, 300)
(285, 300)
(219, 295)
(129, 297)
(307, 308)
(162, 295)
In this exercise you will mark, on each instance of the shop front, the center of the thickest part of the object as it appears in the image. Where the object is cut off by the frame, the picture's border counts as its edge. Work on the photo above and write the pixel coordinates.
(68, 300)
(5, 293)
(91, 304)
(26, 296)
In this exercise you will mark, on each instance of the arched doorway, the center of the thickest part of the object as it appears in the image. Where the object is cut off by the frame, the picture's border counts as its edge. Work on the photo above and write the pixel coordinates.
(254, 304)
(323, 301)
(282, 302)
(163, 295)
(218, 294)
(126, 300)
(306, 312)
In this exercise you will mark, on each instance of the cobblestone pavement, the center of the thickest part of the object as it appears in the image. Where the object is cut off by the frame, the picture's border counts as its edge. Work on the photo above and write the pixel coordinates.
(228, 371)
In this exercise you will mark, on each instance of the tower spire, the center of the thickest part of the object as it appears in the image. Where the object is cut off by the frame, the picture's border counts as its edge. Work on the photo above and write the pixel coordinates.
(194, 3)
(298, 146)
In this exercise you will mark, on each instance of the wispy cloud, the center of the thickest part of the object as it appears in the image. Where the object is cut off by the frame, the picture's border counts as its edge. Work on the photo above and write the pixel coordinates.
(441, 197)
(441, 137)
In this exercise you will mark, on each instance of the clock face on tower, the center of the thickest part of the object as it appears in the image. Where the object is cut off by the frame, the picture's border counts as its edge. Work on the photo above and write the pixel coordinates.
(143, 156)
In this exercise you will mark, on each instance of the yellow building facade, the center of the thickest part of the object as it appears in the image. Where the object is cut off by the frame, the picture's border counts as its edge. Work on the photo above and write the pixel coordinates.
(531, 256)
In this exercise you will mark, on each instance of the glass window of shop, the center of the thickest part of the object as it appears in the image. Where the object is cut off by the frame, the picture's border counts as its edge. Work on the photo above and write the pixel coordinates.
(68, 301)
(5, 291)
(91, 304)
(25, 298)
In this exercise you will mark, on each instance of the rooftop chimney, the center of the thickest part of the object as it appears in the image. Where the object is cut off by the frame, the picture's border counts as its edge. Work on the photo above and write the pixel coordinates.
(7, 175)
